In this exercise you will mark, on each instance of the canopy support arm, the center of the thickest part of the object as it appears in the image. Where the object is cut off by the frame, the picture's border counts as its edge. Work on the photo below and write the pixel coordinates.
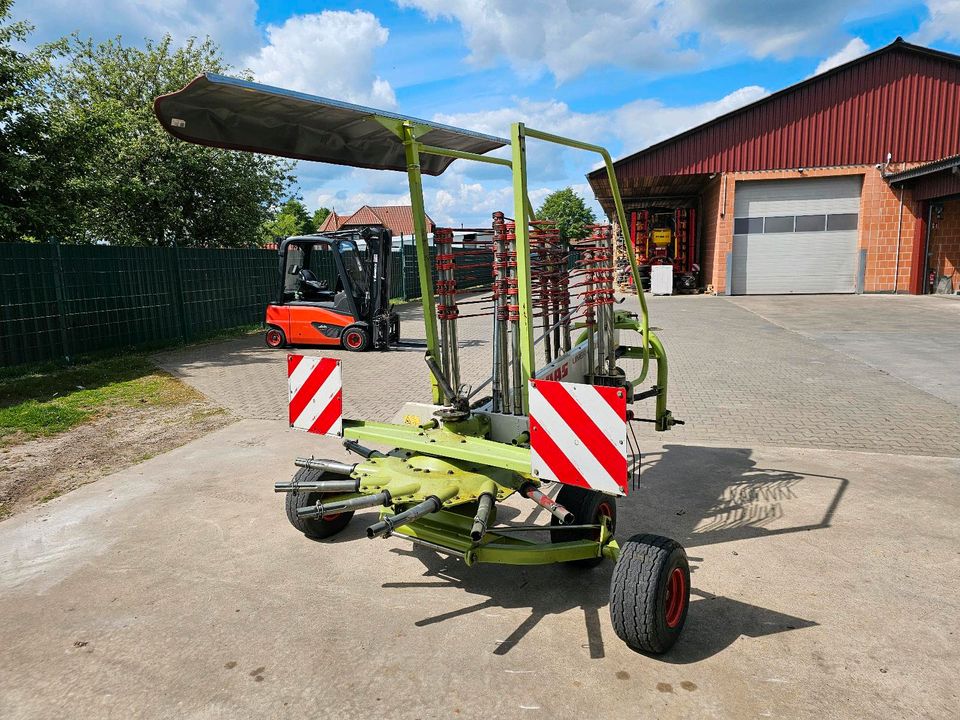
(411, 148)
(522, 216)
(621, 218)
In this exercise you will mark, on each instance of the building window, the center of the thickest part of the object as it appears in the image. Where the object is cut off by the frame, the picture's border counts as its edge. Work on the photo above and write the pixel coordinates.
(811, 223)
(747, 226)
(794, 223)
(842, 221)
(782, 224)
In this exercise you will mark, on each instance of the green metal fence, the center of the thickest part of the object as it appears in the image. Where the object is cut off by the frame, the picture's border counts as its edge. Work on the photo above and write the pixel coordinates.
(61, 301)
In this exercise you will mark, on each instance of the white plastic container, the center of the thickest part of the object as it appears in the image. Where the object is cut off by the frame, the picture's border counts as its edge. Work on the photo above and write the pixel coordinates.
(661, 279)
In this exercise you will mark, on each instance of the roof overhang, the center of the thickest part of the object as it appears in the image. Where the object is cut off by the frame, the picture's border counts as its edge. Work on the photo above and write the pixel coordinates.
(224, 112)
(650, 191)
(945, 164)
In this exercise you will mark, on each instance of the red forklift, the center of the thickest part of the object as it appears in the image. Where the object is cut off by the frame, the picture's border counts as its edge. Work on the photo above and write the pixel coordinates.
(355, 312)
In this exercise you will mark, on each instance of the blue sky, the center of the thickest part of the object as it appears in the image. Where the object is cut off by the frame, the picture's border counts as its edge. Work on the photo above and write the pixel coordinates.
(623, 73)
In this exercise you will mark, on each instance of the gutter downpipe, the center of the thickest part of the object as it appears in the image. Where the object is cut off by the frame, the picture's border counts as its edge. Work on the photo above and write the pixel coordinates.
(896, 271)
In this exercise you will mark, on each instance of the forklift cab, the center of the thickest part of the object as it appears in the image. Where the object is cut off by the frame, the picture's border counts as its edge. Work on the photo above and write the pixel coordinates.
(331, 292)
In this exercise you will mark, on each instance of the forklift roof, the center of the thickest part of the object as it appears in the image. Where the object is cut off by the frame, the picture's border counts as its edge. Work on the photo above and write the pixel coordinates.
(225, 112)
(321, 238)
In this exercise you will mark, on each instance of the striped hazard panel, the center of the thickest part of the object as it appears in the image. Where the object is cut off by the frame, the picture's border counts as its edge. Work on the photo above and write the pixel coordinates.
(578, 435)
(316, 397)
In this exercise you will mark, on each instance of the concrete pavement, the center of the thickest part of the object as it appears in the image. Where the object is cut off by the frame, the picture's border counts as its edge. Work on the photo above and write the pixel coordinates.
(824, 586)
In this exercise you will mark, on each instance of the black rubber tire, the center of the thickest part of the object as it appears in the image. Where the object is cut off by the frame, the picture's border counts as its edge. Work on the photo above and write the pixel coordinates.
(639, 602)
(317, 528)
(276, 330)
(586, 506)
(355, 331)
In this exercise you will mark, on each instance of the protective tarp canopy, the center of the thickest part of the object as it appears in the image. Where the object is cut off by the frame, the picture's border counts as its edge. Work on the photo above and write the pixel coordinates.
(225, 112)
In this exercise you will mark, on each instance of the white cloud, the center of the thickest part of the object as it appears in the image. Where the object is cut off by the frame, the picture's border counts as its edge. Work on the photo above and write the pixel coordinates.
(231, 22)
(564, 37)
(767, 28)
(345, 202)
(330, 53)
(568, 37)
(636, 125)
(942, 23)
(851, 51)
(467, 193)
(643, 122)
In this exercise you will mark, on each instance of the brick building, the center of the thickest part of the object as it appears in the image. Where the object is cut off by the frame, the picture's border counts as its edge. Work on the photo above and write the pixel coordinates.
(397, 218)
(840, 183)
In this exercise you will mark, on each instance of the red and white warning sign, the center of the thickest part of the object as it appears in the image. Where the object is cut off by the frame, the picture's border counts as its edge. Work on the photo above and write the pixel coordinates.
(578, 435)
(316, 397)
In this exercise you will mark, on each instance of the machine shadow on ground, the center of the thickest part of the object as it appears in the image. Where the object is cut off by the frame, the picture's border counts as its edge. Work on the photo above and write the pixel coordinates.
(707, 495)
(698, 495)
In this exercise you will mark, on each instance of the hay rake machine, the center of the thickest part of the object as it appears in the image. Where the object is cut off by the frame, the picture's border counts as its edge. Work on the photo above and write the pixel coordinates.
(452, 461)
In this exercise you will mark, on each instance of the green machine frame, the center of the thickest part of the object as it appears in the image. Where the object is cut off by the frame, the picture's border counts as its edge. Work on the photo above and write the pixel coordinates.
(463, 444)
(439, 483)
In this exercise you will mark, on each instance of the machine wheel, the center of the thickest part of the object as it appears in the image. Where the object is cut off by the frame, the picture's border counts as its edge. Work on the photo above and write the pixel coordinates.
(650, 593)
(355, 338)
(587, 506)
(275, 338)
(318, 528)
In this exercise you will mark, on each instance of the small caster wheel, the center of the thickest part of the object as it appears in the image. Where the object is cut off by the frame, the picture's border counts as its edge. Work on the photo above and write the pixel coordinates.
(587, 506)
(317, 528)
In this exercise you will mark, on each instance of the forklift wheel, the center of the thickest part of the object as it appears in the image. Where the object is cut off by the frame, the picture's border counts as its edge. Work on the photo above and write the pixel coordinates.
(650, 593)
(317, 528)
(587, 506)
(275, 338)
(355, 338)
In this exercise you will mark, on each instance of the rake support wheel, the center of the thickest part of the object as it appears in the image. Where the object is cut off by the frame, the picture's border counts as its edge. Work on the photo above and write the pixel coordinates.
(317, 528)
(587, 507)
(650, 593)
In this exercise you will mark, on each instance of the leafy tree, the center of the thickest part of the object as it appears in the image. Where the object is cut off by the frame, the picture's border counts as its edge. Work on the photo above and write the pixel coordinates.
(104, 169)
(292, 218)
(319, 215)
(569, 211)
(22, 126)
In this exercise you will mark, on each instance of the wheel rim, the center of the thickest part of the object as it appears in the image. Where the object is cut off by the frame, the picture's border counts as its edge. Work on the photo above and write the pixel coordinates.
(329, 518)
(273, 338)
(353, 340)
(676, 597)
(604, 510)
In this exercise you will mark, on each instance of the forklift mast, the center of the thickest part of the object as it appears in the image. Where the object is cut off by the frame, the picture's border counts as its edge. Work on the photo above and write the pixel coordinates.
(378, 266)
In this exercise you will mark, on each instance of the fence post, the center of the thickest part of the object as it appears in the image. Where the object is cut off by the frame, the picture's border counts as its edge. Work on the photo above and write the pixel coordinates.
(61, 300)
(177, 293)
(403, 269)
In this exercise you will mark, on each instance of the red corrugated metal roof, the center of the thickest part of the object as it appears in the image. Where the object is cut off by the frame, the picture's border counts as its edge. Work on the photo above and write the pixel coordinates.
(398, 218)
(902, 99)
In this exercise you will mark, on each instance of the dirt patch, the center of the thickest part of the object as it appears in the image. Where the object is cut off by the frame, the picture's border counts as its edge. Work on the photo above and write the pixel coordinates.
(41, 469)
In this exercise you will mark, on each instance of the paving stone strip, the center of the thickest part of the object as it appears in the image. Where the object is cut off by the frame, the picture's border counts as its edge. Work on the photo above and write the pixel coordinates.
(735, 378)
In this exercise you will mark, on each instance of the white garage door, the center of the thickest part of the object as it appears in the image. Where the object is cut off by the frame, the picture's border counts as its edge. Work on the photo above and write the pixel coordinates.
(795, 236)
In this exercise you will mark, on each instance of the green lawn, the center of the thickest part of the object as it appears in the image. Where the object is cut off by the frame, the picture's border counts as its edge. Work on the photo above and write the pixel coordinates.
(52, 399)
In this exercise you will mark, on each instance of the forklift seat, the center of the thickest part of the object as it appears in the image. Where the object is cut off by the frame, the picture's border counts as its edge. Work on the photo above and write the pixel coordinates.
(312, 288)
